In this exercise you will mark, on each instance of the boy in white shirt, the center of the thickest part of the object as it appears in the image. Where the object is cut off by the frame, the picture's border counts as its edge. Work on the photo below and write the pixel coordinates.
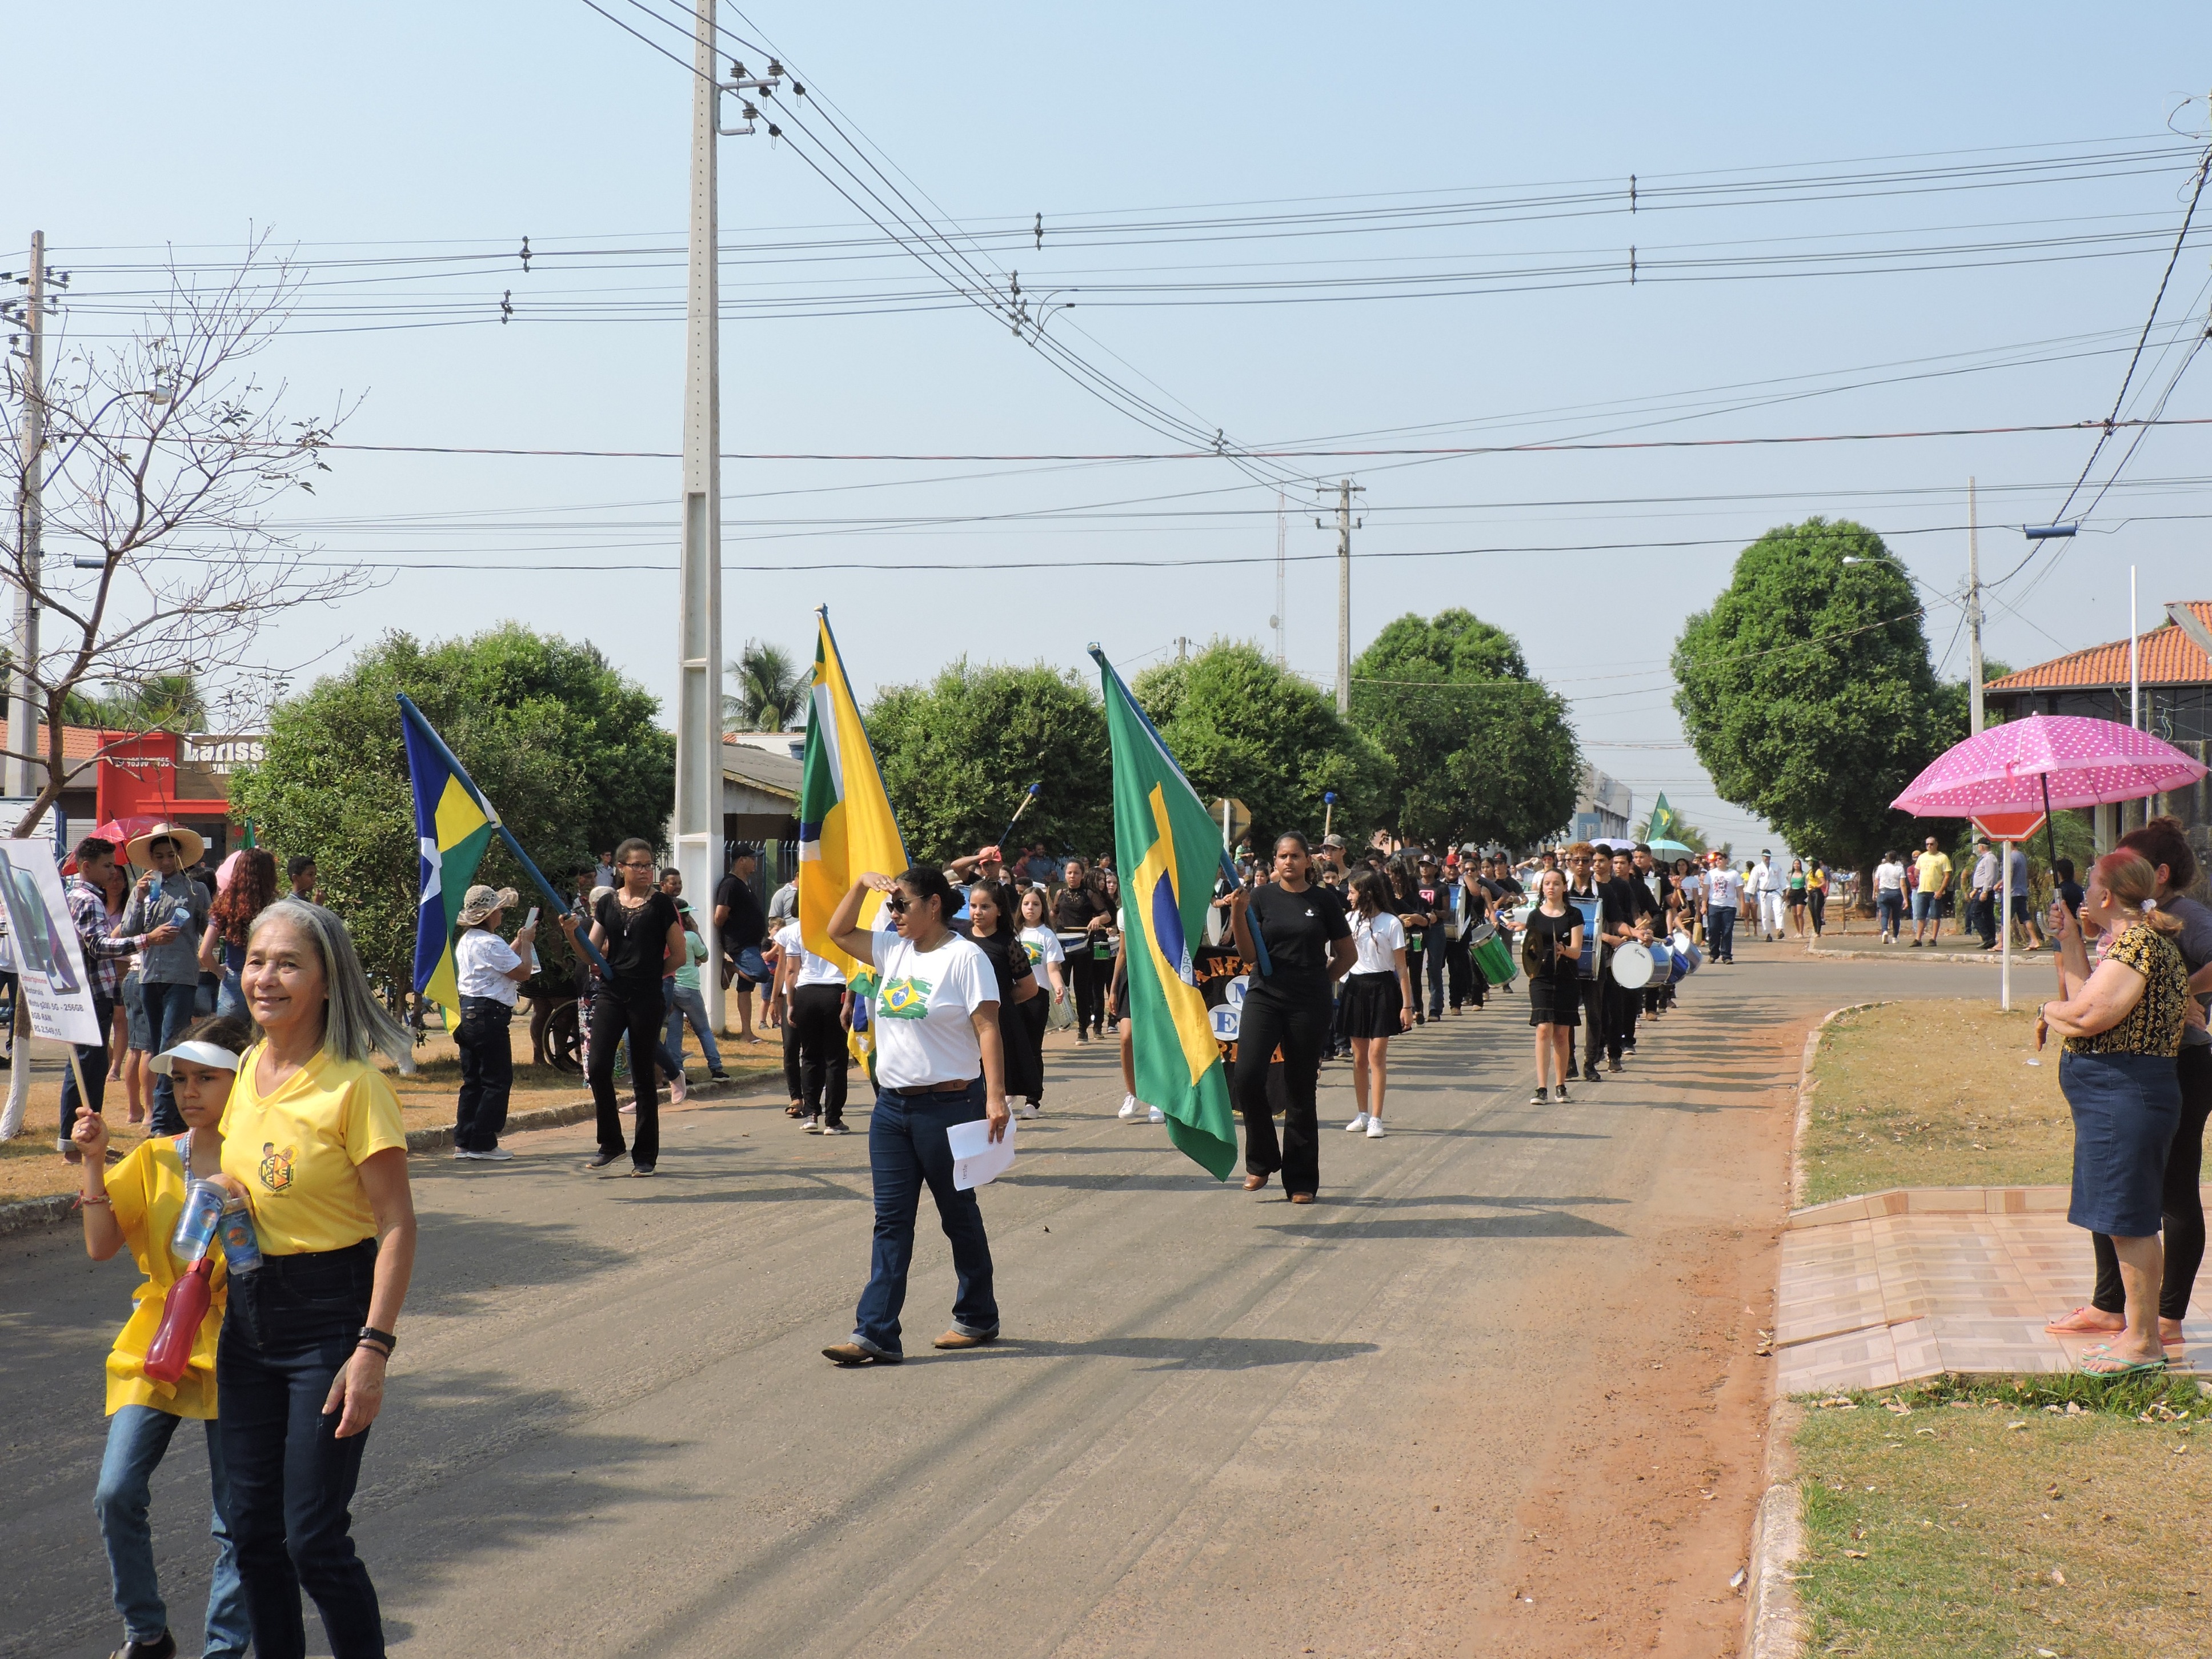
(488, 973)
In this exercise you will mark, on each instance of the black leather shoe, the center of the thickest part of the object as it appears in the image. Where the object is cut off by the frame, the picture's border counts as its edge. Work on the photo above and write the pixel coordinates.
(162, 1647)
(600, 1160)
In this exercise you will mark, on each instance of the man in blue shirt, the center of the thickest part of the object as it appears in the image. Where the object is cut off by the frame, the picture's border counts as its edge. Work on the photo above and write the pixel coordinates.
(166, 916)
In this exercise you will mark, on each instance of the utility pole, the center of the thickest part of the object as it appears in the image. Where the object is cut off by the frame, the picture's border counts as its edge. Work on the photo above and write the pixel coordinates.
(22, 777)
(698, 819)
(1278, 620)
(1183, 648)
(1973, 615)
(1345, 490)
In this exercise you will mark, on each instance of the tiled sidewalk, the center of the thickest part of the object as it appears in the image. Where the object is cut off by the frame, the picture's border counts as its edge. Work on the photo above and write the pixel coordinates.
(1911, 1283)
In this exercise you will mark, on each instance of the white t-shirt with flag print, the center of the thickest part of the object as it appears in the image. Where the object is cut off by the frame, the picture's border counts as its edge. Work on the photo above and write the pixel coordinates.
(923, 1002)
(1045, 949)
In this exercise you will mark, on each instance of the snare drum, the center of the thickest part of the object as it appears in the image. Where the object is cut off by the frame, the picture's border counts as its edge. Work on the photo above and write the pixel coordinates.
(1632, 964)
(1681, 941)
(1662, 962)
(1494, 960)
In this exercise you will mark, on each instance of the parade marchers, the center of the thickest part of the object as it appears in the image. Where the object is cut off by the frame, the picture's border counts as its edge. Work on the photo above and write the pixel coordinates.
(286, 1365)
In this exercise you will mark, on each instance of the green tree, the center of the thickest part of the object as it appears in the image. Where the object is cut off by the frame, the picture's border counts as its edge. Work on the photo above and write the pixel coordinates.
(563, 746)
(1808, 693)
(771, 690)
(1242, 726)
(165, 702)
(957, 755)
(1478, 749)
(1684, 831)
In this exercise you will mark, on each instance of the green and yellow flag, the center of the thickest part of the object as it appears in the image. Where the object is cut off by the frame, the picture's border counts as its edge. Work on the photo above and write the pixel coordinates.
(845, 822)
(1664, 821)
(1170, 846)
(453, 828)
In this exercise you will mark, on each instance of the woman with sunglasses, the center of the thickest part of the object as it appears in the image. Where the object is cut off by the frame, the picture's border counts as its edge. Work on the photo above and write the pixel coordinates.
(939, 1064)
(1310, 948)
(636, 928)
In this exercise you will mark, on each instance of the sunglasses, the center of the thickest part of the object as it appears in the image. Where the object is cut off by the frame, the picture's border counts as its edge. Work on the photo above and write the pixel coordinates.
(896, 903)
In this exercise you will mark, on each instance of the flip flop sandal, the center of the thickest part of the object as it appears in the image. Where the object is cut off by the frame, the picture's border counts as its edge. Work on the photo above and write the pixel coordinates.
(2104, 1365)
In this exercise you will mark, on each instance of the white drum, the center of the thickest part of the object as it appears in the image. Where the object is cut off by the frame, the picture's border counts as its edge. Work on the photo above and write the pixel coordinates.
(1681, 941)
(1632, 965)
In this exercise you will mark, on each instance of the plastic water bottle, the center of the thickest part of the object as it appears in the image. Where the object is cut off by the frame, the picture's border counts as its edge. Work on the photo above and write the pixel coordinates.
(182, 1310)
(195, 1227)
(240, 1250)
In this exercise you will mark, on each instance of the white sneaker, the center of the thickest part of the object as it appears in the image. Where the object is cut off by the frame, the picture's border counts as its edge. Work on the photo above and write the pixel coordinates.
(1156, 1115)
(496, 1155)
(1027, 1110)
(1128, 1105)
(1375, 1128)
(1357, 1124)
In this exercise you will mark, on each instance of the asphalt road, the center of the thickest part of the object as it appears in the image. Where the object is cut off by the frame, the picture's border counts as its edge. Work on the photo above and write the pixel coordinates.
(1215, 1422)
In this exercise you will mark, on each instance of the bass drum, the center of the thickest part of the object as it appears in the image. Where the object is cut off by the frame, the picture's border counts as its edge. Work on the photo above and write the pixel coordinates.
(1662, 962)
(1632, 965)
(1494, 960)
(1681, 941)
(1696, 957)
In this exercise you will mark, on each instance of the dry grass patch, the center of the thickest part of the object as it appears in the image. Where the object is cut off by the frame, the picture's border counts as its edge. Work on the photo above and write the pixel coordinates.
(1935, 1094)
(1993, 1522)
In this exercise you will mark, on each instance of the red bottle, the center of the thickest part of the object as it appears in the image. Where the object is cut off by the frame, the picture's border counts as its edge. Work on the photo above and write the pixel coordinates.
(182, 1311)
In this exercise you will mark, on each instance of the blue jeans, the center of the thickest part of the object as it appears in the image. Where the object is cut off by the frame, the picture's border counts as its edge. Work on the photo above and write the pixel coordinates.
(686, 1002)
(907, 1147)
(288, 1328)
(1720, 931)
(1890, 903)
(169, 1012)
(138, 1436)
(230, 994)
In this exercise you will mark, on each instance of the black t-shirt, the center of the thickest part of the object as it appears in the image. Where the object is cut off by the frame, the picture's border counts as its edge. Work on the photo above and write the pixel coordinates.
(2071, 892)
(1635, 896)
(1073, 906)
(1001, 948)
(637, 940)
(744, 926)
(1550, 934)
(1297, 929)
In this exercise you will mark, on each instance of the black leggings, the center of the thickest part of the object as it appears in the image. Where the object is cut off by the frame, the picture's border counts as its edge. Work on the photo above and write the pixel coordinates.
(1091, 978)
(1298, 1023)
(635, 1009)
(817, 1028)
(2184, 1203)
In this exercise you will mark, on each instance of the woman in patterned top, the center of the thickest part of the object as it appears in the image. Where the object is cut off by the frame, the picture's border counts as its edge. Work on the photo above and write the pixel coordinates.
(2122, 1029)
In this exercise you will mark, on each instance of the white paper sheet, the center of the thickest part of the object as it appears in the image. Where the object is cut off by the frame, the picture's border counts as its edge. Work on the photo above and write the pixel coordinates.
(977, 1162)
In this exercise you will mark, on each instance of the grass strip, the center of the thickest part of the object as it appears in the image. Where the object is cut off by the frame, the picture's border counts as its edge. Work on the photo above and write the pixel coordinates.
(1935, 1094)
(2034, 1518)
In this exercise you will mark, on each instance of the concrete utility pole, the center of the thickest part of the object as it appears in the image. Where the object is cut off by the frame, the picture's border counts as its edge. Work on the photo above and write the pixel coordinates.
(22, 777)
(698, 819)
(1345, 490)
(1973, 615)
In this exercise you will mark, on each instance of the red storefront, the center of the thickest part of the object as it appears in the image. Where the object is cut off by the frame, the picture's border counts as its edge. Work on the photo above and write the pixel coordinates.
(185, 780)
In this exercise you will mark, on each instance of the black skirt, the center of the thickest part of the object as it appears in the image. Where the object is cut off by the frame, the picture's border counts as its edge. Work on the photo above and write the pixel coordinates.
(1555, 1002)
(1371, 1002)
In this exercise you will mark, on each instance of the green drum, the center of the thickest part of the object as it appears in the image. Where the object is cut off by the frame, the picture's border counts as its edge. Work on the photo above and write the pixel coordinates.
(1494, 958)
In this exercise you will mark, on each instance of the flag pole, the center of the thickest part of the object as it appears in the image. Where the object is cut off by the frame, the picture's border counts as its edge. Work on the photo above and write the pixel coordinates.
(553, 898)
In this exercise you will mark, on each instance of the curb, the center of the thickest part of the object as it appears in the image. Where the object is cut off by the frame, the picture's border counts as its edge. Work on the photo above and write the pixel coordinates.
(1773, 1623)
(52, 1209)
(1956, 958)
(1805, 1096)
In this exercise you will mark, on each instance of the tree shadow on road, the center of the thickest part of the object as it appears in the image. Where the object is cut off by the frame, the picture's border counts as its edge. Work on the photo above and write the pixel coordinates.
(1181, 1353)
(1536, 1223)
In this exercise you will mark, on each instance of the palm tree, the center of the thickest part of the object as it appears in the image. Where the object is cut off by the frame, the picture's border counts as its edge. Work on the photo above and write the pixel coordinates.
(162, 702)
(771, 691)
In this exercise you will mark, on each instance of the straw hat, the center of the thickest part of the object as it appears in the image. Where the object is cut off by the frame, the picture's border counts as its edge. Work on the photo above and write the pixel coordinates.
(480, 901)
(191, 845)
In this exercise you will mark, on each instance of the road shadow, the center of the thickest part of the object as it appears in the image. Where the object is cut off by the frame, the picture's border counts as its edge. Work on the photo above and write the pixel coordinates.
(1176, 1354)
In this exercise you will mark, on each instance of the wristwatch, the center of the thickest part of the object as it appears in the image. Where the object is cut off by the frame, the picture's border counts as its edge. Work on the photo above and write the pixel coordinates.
(370, 1334)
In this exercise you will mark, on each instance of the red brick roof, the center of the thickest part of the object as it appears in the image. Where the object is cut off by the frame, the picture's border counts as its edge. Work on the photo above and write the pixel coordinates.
(2170, 657)
(79, 742)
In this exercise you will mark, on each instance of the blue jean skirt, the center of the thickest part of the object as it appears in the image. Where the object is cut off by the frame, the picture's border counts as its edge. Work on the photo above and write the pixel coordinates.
(2126, 1107)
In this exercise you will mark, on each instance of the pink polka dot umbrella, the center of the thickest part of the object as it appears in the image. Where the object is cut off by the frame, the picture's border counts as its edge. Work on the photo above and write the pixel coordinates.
(2047, 761)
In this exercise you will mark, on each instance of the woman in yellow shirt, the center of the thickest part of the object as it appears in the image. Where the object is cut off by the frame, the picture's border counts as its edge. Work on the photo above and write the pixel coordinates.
(137, 1205)
(313, 1134)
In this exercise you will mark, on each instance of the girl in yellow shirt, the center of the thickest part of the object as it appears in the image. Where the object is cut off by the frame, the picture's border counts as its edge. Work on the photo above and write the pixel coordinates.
(312, 1135)
(136, 1205)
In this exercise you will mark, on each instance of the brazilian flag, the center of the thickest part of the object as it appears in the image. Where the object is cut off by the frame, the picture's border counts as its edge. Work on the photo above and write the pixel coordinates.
(1170, 847)
(453, 825)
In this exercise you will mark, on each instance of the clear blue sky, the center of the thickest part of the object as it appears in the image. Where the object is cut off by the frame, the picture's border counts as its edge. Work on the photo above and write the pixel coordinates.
(411, 130)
